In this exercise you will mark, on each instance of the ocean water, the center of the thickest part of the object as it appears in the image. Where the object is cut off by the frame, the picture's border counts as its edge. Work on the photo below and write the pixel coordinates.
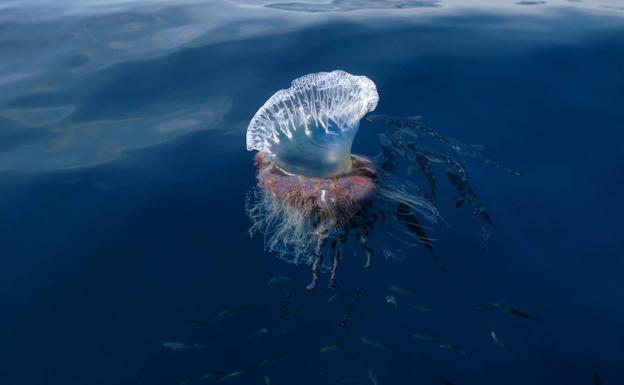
(124, 174)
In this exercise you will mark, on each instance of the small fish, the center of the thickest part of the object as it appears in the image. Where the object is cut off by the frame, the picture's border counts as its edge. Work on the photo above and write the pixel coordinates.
(387, 159)
(490, 306)
(235, 311)
(478, 147)
(505, 308)
(485, 236)
(499, 341)
(258, 333)
(229, 376)
(407, 217)
(518, 313)
(278, 280)
(216, 373)
(200, 325)
(182, 347)
(399, 291)
(340, 297)
(453, 348)
(422, 308)
(466, 193)
(286, 304)
(334, 348)
(425, 166)
(267, 380)
(374, 343)
(194, 380)
(344, 322)
(391, 299)
(429, 336)
(597, 380)
(372, 377)
(446, 382)
(293, 313)
(271, 361)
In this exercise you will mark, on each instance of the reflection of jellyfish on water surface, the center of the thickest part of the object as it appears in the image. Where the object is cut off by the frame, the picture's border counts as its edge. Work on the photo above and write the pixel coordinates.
(314, 198)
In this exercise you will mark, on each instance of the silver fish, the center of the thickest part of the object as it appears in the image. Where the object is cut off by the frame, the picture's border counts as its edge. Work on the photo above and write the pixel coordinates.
(453, 347)
(499, 341)
(391, 299)
(271, 361)
(340, 297)
(229, 376)
(278, 280)
(182, 347)
(200, 325)
(521, 314)
(399, 291)
(490, 306)
(294, 313)
(216, 373)
(235, 311)
(506, 308)
(258, 333)
(429, 336)
(372, 377)
(334, 348)
(423, 308)
(374, 343)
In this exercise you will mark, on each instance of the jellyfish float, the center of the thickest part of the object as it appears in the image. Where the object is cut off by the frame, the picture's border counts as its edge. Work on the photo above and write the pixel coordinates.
(314, 198)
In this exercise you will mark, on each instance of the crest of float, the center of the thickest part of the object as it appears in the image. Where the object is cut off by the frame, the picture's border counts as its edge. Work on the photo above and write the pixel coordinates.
(314, 198)
(308, 128)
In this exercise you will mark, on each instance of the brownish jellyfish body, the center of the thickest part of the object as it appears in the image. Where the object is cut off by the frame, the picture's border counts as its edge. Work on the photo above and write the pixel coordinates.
(339, 196)
(330, 202)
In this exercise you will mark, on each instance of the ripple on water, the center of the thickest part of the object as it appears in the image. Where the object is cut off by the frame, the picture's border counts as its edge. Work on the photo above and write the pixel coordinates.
(352, 5)
(35, 117)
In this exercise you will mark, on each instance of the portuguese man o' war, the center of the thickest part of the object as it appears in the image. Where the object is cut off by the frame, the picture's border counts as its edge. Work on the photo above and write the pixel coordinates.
(315, 199)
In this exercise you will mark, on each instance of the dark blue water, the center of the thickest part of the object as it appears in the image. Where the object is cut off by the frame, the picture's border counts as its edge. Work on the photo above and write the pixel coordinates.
(123, 176)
